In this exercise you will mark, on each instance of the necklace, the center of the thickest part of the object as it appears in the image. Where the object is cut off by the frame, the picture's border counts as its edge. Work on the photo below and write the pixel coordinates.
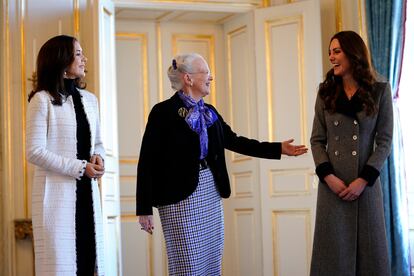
(351, 92)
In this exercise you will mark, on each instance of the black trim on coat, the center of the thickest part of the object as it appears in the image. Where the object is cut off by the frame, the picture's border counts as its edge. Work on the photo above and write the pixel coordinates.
(370, 174)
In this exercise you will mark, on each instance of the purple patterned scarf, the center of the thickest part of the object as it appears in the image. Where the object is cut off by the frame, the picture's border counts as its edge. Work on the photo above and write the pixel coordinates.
(199, 118)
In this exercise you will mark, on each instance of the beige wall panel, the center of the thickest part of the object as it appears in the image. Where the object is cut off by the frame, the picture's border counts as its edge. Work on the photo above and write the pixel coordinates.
(328, 29)
(238, 80)
(240, 113)
(137, 81)
(27, 25)
(128, 184)
(203, 45)
(24, 258)
(137, 262)
(288, 71)
(338, 15)
(105, 94)
(132, 70)
(245, 237)
(110, 185)
(291, 230)
(111, 245)
(3, 116)
(127, 193)
(200, 38)
(242, 184)
(289, 182)
(286, 77)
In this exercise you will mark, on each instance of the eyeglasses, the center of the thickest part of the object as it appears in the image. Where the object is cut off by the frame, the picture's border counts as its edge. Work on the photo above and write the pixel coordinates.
(204, 73)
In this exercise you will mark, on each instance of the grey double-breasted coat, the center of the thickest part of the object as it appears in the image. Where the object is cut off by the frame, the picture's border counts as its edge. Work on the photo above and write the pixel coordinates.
(350, 236)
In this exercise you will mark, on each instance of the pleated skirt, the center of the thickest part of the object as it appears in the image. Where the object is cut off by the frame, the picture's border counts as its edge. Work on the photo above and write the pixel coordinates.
(194, 230)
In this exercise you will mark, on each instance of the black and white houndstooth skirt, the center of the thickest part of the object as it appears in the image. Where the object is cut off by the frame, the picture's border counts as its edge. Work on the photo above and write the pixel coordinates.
(194, 230)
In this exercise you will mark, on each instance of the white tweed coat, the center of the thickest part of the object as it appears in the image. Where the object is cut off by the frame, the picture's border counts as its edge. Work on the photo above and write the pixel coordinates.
(51, 146)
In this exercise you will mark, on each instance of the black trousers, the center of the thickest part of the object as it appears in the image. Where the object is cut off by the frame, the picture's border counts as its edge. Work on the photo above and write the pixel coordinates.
(85, 229)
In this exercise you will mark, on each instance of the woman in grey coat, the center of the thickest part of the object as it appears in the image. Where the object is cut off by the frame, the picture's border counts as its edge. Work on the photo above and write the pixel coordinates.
(351, 139)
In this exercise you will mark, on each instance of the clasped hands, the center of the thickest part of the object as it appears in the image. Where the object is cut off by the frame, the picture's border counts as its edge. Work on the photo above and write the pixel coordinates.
(95, 168)
(348, 193)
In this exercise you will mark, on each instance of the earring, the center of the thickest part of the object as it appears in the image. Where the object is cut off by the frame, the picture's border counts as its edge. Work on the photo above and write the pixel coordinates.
(64, 74)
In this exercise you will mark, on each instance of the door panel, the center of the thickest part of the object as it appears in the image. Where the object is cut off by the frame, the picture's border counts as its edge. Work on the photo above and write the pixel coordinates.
(204, 39)
(242, 250)
(137, 90)
(107, 95)
(288, 73)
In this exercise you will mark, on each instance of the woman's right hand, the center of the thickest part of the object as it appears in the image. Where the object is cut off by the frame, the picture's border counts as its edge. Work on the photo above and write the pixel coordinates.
(94, 170)
(147, 223)
(335, 184)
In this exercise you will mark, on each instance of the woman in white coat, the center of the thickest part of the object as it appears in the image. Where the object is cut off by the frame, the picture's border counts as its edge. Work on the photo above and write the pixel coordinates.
(64, 144)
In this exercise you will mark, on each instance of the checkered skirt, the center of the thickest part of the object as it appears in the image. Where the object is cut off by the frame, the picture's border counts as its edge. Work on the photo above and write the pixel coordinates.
(194, 230)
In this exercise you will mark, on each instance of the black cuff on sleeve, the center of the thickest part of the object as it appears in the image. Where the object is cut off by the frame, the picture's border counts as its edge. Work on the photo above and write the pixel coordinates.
(370, 174)
(323, 170)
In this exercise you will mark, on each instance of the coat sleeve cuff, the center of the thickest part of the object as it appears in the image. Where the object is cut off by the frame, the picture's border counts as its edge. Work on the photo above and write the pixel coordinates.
(144, 211)
(370, 174)
(82, 169)
(323, 170)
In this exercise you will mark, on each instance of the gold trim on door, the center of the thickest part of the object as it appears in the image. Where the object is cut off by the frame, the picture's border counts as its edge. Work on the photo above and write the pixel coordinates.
(268, 46)
(22, 14)
(144, 57)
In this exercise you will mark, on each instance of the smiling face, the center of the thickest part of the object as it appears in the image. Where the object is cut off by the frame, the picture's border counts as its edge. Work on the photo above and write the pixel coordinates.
(340, 62)
(201, 78)
(77, 68)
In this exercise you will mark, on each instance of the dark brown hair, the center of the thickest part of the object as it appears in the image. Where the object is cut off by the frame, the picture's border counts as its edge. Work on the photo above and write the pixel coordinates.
(357, 53)
(55, 56)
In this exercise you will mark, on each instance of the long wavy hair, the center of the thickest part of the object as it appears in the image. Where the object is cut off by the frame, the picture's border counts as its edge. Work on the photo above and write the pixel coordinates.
(357, 53)
(55, 56)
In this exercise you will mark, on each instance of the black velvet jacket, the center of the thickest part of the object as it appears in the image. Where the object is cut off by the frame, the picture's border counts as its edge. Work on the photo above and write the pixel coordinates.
(168, 165)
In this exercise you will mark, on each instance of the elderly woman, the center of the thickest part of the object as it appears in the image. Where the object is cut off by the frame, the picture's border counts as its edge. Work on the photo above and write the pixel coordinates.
(182, 169)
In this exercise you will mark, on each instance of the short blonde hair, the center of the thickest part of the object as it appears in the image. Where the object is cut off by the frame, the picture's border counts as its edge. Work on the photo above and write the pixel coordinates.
(182, 63)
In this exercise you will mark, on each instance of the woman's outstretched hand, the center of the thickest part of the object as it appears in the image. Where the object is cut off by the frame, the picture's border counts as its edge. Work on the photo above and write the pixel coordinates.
(293, 150)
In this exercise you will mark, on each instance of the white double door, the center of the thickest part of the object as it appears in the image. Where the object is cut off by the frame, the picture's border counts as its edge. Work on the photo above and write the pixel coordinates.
(274, 66)
(266, 66)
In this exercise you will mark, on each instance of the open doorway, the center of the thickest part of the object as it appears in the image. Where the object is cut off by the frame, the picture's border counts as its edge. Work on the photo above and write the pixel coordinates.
(266, 63)
(146, 41)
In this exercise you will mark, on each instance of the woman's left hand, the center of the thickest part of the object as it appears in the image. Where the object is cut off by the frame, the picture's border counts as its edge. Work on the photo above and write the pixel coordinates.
(354, 190)
(293, 150)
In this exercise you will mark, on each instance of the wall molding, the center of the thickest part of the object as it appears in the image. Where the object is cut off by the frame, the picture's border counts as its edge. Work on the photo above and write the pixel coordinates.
(7, 259)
